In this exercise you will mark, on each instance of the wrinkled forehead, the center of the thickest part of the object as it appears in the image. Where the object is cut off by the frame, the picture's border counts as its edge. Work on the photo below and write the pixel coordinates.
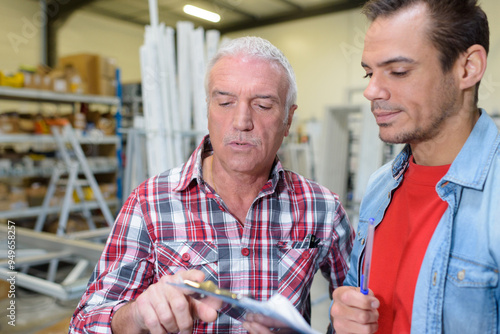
(245, 59)
(250, 67)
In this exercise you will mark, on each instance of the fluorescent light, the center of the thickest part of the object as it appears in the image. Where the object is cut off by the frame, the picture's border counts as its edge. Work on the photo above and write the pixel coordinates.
(201, 13)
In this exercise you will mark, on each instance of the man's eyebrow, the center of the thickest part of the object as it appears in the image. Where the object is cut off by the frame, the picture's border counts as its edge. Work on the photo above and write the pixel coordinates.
(272, 97)
(399, 59)
(219, 92)
(258, 96)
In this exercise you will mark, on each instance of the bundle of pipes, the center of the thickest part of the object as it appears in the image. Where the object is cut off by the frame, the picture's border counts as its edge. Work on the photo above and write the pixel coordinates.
(173, 89)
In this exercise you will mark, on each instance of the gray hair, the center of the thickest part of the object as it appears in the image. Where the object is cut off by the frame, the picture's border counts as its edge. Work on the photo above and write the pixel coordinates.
(259, 48)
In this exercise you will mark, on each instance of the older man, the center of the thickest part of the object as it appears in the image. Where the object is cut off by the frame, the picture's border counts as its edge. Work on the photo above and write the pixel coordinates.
(231, 214)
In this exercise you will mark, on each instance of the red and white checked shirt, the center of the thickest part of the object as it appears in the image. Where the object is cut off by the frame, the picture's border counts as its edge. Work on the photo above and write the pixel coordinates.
(175, 221)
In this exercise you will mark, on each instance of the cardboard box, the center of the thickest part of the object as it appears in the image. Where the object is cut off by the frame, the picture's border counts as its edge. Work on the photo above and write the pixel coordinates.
(42, 80)
(36, 194)
(108, 190)
(107, 126)
(31, 80)
(74, 81)
(26, 125)
(58, 81)
(97, 73)
(86, 65)
(107, 87)
(4, 191)
(46, 82)
(9, 123)
(4, 205)
(108, 67)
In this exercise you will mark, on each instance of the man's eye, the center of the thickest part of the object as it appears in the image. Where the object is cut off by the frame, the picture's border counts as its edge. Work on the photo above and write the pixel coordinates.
(224, 104)
(367, 75)
(399, 74)
(262, 107)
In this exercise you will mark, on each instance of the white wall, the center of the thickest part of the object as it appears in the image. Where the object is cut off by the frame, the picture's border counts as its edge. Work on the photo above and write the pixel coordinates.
(489, 97)
(85, 32)
(82, 32)
(325, 51)
(20, 37)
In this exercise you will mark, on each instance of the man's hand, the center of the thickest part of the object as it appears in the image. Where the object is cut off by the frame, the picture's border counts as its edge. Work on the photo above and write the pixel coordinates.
(163, 308)
(354, 312)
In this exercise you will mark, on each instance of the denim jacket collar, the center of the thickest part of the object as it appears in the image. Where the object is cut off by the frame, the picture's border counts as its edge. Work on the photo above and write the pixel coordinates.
(476, 149)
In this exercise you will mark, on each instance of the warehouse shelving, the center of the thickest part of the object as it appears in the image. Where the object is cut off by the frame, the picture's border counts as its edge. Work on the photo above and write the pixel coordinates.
(98, 165)
(36, 95)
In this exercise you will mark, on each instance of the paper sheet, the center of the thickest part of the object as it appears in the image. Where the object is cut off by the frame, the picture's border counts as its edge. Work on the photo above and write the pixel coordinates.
(278, 310)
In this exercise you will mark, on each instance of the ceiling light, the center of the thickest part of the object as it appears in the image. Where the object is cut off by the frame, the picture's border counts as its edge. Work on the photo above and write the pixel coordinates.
(201, 13)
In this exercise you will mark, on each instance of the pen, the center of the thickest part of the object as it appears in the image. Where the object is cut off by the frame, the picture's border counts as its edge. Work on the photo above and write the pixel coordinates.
(365, 276)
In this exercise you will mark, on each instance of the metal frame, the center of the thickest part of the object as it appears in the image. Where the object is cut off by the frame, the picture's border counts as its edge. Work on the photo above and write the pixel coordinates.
(71, 167)
(44, 248)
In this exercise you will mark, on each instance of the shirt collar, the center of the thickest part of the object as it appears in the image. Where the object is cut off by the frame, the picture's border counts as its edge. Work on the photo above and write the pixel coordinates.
(470, 168)
(191, 171)
(401, 162)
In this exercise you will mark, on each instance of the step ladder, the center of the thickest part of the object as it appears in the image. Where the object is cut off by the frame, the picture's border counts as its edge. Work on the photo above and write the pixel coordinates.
(66, 174)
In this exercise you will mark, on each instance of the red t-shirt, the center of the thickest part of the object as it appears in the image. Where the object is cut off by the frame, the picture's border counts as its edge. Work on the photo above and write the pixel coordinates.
(400, 243)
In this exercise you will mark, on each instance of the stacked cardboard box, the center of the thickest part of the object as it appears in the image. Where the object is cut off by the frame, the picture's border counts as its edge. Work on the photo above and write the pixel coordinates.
(56, 80)
(97, 73)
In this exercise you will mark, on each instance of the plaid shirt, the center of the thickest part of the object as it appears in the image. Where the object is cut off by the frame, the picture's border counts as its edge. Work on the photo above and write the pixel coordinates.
(175, 221)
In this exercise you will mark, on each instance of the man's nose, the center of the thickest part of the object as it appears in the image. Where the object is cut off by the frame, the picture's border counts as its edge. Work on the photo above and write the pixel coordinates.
(376, 90)
(242, 118)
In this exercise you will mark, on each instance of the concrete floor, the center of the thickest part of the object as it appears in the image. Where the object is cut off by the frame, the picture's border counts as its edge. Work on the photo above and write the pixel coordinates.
(320, 300)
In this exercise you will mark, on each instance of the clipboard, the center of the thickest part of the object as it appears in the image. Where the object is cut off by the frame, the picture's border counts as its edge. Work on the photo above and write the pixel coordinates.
(277, 311)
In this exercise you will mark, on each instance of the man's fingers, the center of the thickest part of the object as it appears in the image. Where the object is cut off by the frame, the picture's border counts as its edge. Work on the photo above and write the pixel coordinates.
(354, 298)
(358, 315)
(146, 311)
(180, 318)
(193, 275)
(206, 309)
(354, 312)
(183, 318)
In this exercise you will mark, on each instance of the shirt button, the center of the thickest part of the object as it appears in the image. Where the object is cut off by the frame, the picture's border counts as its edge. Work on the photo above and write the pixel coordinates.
(461, 275)
(305, 255)
(245, 251)
(186, 257)
(363, 241)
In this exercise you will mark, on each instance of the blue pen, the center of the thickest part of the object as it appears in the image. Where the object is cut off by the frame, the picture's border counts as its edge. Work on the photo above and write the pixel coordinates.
(365, 276)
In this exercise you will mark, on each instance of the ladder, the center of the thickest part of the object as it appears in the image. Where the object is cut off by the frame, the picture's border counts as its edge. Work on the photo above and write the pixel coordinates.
(66, 174)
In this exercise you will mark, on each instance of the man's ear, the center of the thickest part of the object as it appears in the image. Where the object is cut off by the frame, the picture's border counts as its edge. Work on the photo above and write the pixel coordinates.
(473, 65)
(289, 120)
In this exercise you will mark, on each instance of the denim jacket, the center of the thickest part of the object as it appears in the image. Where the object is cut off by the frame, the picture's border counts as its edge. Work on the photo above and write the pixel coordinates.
(457, 289)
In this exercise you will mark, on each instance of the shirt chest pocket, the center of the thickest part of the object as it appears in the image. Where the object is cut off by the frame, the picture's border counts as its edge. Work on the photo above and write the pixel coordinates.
(296, 269)
(175, 256)
(470, 304)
